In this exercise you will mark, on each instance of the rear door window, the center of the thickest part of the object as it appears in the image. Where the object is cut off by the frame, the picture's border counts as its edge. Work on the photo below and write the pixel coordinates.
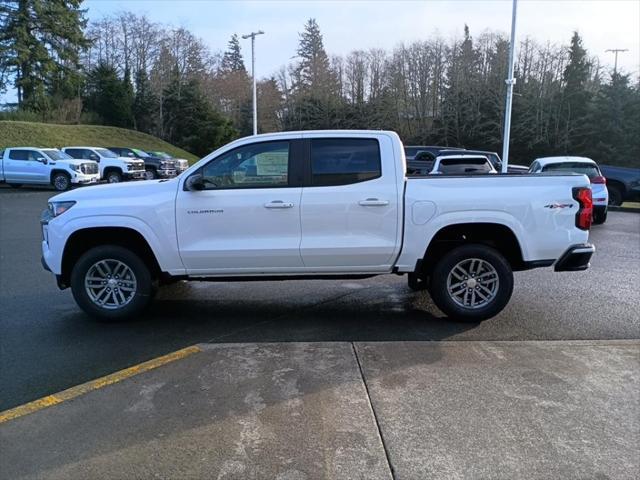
(74, 152)
(19, 154)
(342, 161)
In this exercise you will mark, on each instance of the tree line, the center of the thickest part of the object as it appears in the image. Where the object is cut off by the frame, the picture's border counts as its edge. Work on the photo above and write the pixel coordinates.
(128, 71)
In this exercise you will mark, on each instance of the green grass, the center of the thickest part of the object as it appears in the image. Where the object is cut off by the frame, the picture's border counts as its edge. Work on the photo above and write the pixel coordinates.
(31, 134)
(631, 205)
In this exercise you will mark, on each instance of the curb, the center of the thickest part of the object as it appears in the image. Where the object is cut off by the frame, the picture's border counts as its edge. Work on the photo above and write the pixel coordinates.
(624, 209)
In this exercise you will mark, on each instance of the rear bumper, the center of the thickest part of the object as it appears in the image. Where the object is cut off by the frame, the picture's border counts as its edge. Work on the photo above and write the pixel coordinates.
(576, 258)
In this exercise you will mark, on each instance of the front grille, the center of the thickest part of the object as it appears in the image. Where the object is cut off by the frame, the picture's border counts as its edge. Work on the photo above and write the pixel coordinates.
(89, 168)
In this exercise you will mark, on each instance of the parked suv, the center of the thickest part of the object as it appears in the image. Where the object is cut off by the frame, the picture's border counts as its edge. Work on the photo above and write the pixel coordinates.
(113, 169)
(585, 166)
(45, 166)
(181, 163)
(155, 167)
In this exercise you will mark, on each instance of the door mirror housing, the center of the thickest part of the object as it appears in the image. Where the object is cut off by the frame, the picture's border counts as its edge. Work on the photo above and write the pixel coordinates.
(42, 160)
(194, 183)
(94, 157)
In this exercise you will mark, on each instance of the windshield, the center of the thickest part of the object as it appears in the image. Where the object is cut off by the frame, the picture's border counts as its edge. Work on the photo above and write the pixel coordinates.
(54, 154)
(140, 153)
(106, 153)
(457, 166)
(588, 169)
(163, 155)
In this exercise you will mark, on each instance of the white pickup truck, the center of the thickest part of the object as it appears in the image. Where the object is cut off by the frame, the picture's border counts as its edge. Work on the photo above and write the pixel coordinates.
(113, 168)
(316, 204)
(45, 166)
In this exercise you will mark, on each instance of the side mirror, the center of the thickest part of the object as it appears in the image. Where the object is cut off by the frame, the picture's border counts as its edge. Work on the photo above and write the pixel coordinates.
(194, 183)
(130, 154)
(42, 160)
(94, 157)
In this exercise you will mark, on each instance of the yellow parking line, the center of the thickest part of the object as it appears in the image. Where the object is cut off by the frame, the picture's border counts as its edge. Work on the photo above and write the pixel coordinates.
(87, 387)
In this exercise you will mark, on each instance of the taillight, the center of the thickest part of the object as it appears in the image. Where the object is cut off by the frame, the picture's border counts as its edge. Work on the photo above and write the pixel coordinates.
(584, 217)
(599, 179)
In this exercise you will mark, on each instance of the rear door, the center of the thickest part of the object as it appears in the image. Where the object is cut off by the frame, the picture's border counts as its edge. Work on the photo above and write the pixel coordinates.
(21, 165)
(350, 207)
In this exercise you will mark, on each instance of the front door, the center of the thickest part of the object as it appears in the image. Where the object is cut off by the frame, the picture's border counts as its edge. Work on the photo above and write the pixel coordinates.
(247, 218)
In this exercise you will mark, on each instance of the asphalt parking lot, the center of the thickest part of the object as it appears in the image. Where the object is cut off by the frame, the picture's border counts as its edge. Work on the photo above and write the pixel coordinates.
(48, 345)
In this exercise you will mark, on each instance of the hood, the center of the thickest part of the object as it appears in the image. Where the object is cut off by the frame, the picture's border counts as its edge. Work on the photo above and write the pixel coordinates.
(71, 161)
(117, 191)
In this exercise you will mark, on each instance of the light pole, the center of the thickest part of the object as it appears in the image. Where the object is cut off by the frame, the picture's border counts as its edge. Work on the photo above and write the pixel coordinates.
(253, 35)
(510, 83)
(615, 52)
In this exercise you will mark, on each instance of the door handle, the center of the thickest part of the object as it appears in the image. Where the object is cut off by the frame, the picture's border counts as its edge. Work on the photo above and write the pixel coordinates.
(278, 204)
(373, 202)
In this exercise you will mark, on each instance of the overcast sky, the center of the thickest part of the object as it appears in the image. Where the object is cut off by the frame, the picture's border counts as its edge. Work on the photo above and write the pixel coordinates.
(349, 25)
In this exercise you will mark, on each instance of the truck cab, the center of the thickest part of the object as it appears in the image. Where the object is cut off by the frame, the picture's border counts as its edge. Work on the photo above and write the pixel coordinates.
(45, 166)
(113, 168)
(155, 166)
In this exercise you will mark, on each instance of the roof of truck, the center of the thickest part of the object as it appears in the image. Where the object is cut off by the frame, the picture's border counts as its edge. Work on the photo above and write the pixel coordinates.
(547, 160)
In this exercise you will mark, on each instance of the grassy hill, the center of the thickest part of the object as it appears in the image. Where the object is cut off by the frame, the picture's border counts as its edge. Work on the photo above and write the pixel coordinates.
(31, 134)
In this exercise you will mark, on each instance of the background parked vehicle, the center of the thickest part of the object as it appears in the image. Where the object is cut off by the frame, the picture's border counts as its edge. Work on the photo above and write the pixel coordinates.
(585, 166)
(155, 167)
(181, 163)
(45, 166)
(420, 155)
(412, 151)
(623, 183)
(462, 165)
(113, 168)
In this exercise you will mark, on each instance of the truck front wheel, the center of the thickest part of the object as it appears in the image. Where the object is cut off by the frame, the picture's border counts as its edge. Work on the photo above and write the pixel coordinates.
(111, 283)
(114, 177)
(472, 283)
(61, 181)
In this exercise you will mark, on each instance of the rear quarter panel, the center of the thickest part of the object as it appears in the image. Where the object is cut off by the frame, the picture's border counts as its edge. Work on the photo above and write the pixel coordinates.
(539, 209)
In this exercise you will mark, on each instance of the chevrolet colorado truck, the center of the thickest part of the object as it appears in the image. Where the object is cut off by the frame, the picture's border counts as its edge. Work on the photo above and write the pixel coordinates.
(316, 205)
(45, 166)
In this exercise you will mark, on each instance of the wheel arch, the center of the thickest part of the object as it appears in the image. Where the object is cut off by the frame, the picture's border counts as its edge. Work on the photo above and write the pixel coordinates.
(84, 239)
(55, 171)
(495, 235)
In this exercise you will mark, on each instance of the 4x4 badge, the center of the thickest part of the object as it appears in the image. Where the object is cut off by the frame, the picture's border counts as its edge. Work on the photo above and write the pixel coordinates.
(559, 205)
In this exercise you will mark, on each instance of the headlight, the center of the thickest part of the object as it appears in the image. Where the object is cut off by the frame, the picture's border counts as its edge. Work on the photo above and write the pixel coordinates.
(58, 208)
(130, 166)
(77, 168)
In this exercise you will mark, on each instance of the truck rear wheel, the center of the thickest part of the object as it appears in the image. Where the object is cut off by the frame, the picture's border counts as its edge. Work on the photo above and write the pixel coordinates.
(472, 283)
(111, 283)
(150, 174)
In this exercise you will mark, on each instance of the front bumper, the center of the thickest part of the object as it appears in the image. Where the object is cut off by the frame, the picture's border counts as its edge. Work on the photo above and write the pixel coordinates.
(166, 173)
(85, 179)
(135, 174)
(576, 258)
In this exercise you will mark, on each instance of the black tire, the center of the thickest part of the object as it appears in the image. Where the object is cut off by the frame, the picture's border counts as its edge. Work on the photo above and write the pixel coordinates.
(615, 196)
(114, 177)
(599, 217)
(438, 287)
(61, 181)
(138, 300)
(15, 185)
(150, 174)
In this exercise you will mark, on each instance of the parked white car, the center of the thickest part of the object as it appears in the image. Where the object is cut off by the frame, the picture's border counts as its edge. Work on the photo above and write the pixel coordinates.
(584, 166)
(316, 204)
(462, 165)
(113, 169)
(45, 166)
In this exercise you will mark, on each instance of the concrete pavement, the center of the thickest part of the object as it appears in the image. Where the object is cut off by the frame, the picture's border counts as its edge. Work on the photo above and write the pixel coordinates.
(404, 410)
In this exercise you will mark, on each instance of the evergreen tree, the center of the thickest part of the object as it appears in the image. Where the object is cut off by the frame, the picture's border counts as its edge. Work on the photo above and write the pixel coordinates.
(232, 60)
(107, 96)
(190, 122)
(576, 97)
(313, 73)
(144, 104)
(40, 45)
